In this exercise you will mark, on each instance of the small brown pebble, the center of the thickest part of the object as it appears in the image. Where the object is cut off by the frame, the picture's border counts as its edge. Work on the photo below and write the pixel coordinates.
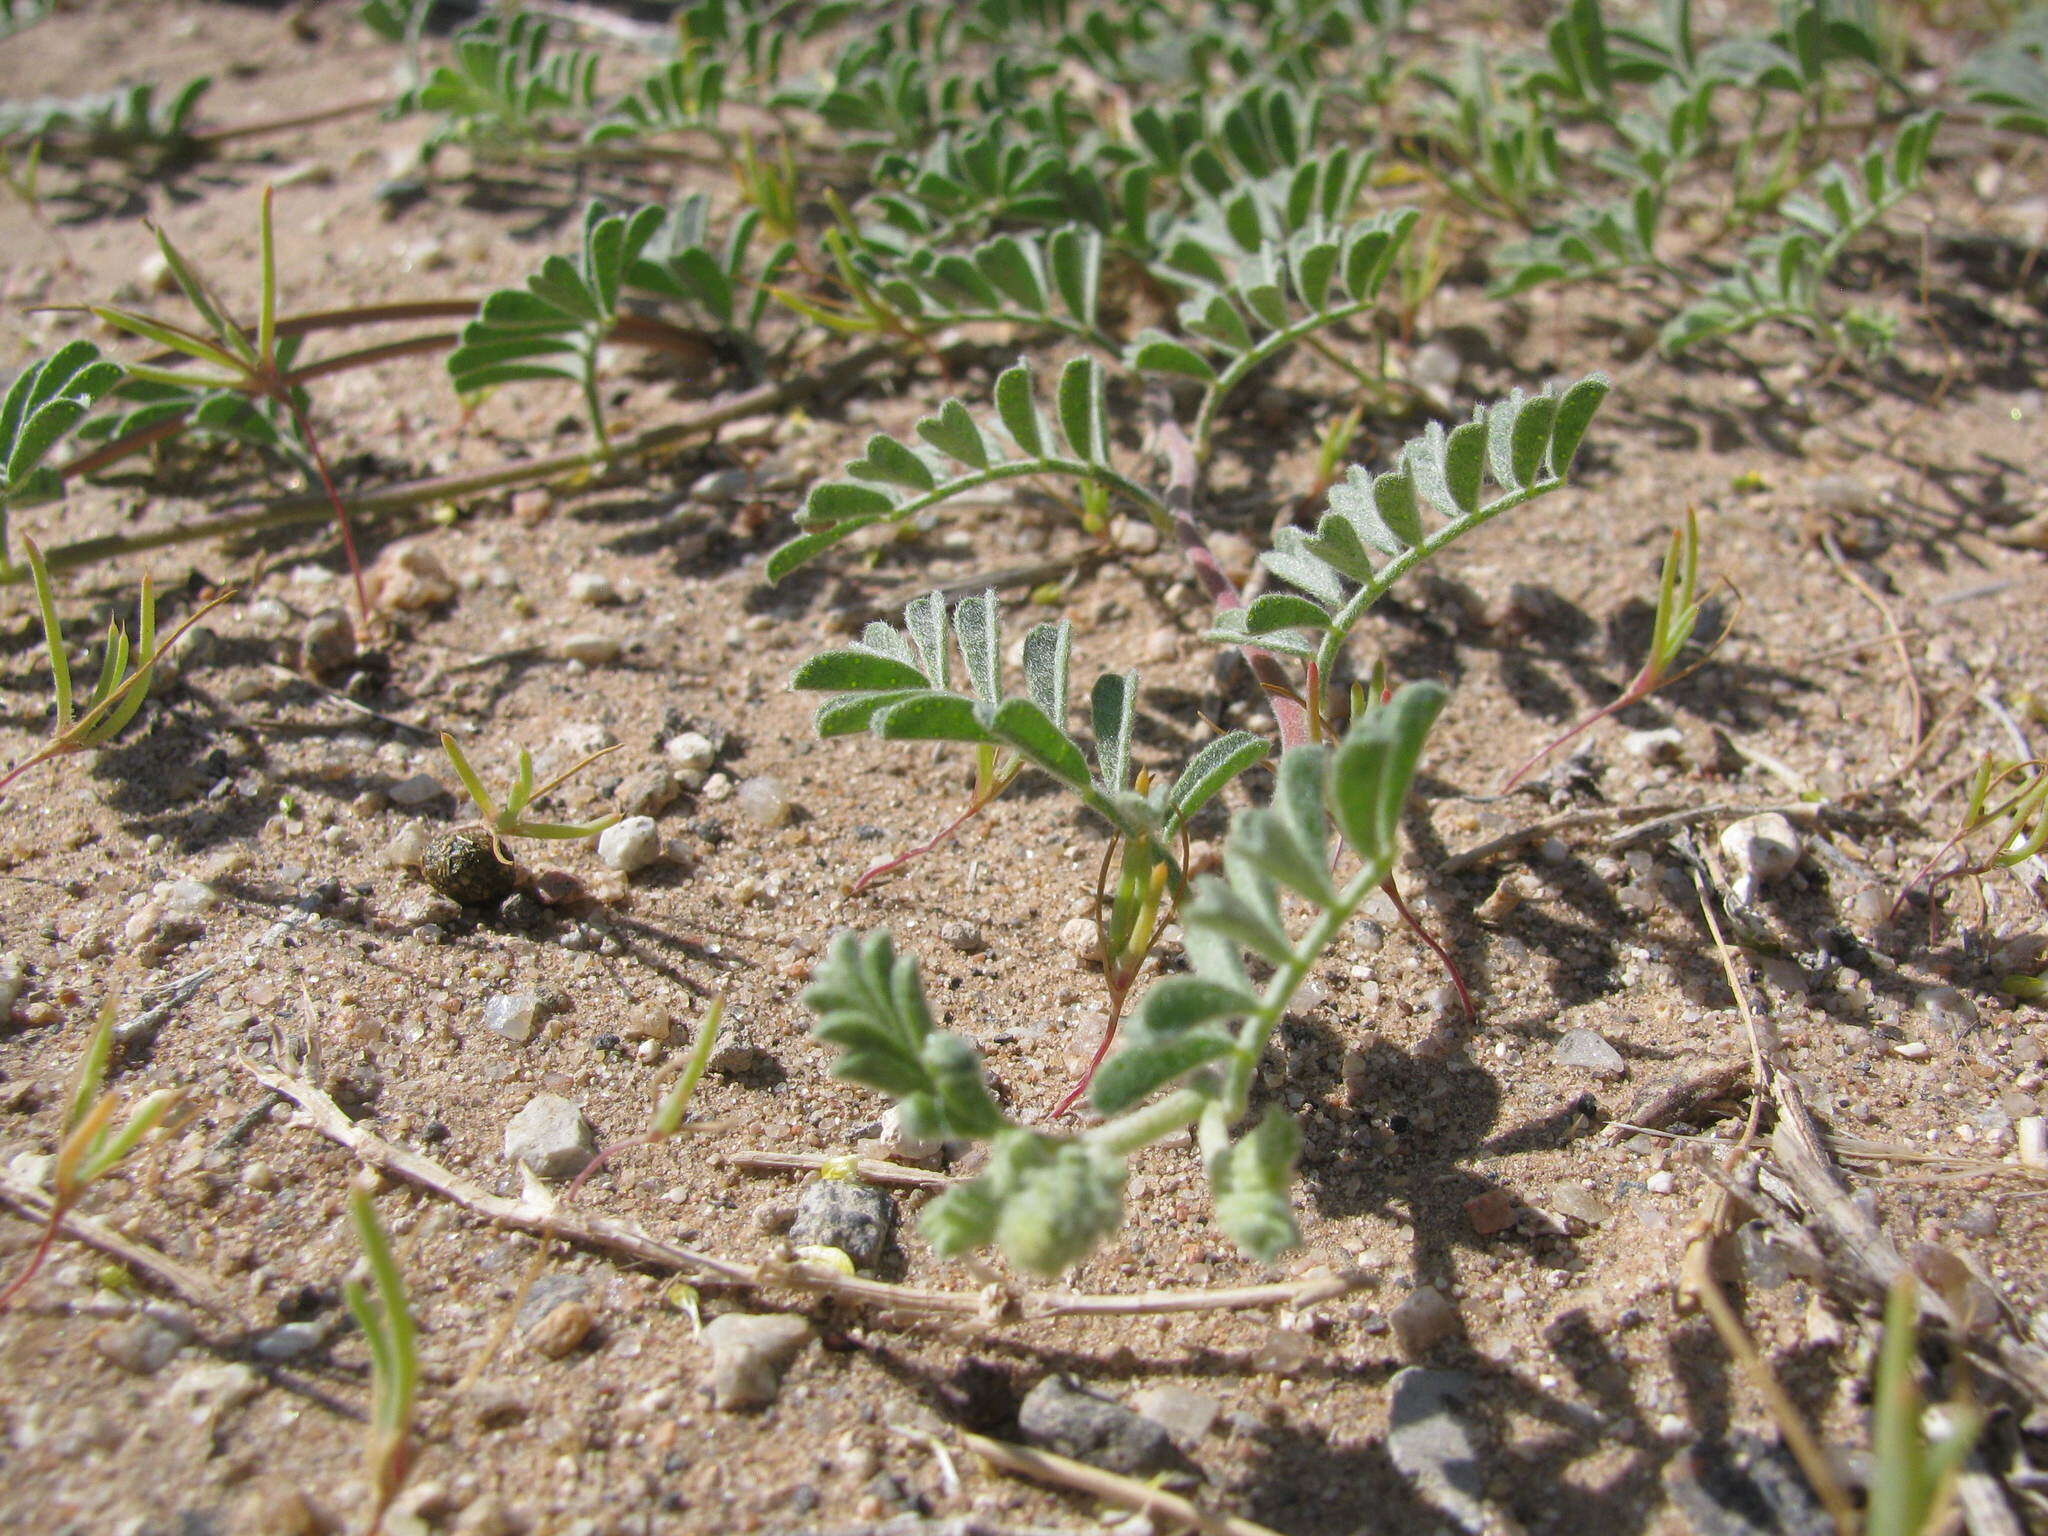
(562, 1331)
(1491, 1212)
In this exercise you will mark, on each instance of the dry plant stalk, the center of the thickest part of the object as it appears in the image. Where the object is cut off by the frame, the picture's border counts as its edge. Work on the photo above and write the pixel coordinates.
(628, 1240)
(1168, 1511)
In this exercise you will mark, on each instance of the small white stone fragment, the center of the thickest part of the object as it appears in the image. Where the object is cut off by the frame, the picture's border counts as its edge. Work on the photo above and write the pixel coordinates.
(1187, 1416)
(691, 751)
(1079, 937)
(551, 1137)
(716, 788)
(764, 802)
(630, 845)
(1946, 1010)
(1589, 1051)
(593, 588)
(650, 1022)
(593, 650)
(416, 790)
(513, 1015)
(406, 849)
(188, 898)
(1134, 536)
(1662, 1182)
(1436, 367)
(1654, 746)
(409, 576)
(2033, 1140)
(1764, 849)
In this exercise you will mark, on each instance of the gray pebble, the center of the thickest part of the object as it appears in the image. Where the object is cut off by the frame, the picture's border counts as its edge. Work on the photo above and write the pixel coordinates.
(965, 937)
(1430, 1444)
(290, 1341)
(551, 1137)
(749, 1354)
(1065, 1419)
(141, 1346)
(647, 793)
(855, 1218)
(1425, 1317)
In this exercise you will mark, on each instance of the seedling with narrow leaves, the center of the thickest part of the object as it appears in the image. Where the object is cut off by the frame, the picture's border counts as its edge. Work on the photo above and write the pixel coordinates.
(2009, 801)
(1676, 617)
(510, 819)
(383, 1312)
(231, 382)
(126, 672)
(95, 1140)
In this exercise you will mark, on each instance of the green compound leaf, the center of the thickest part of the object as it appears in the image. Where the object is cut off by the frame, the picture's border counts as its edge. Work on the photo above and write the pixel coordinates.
(870, 1002)
(1251, 1181)
(1374, 767)
(893, 482)
(1784, 273)
(1375, 529)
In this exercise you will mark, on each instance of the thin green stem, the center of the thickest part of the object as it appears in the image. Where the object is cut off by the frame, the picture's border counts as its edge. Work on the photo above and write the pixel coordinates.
(1360, 602)
(1142, 1127)
(1269, 347)
(1281, 986)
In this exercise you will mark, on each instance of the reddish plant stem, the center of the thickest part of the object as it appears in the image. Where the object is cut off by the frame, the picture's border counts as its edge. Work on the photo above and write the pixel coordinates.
(1636, 692)
(890, 865)
(35, 1260)
(1451, 966)
(1183, 470)
(341, 518)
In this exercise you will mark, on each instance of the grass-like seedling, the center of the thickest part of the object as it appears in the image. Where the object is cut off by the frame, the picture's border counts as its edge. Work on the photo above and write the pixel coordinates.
(93, 1144)
(234, 381)
(2010, 801)
(1671, 630)
(383, 1313)
(666, 1123)
(126, 671)
(1914, 1462)
(510, 819)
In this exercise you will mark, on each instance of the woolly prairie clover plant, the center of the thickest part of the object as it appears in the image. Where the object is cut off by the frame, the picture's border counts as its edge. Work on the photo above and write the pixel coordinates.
(1047, 1200)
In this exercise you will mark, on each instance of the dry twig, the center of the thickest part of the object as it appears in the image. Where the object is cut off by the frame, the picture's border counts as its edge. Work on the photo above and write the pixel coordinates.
(31, 1204)
(626, 1238)
(1169, 1511)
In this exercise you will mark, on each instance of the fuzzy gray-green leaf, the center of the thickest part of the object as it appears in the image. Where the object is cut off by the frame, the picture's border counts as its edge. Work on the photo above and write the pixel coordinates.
(844, 671)
(1046, 648)
(1112, 707)
(1251, 1182)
